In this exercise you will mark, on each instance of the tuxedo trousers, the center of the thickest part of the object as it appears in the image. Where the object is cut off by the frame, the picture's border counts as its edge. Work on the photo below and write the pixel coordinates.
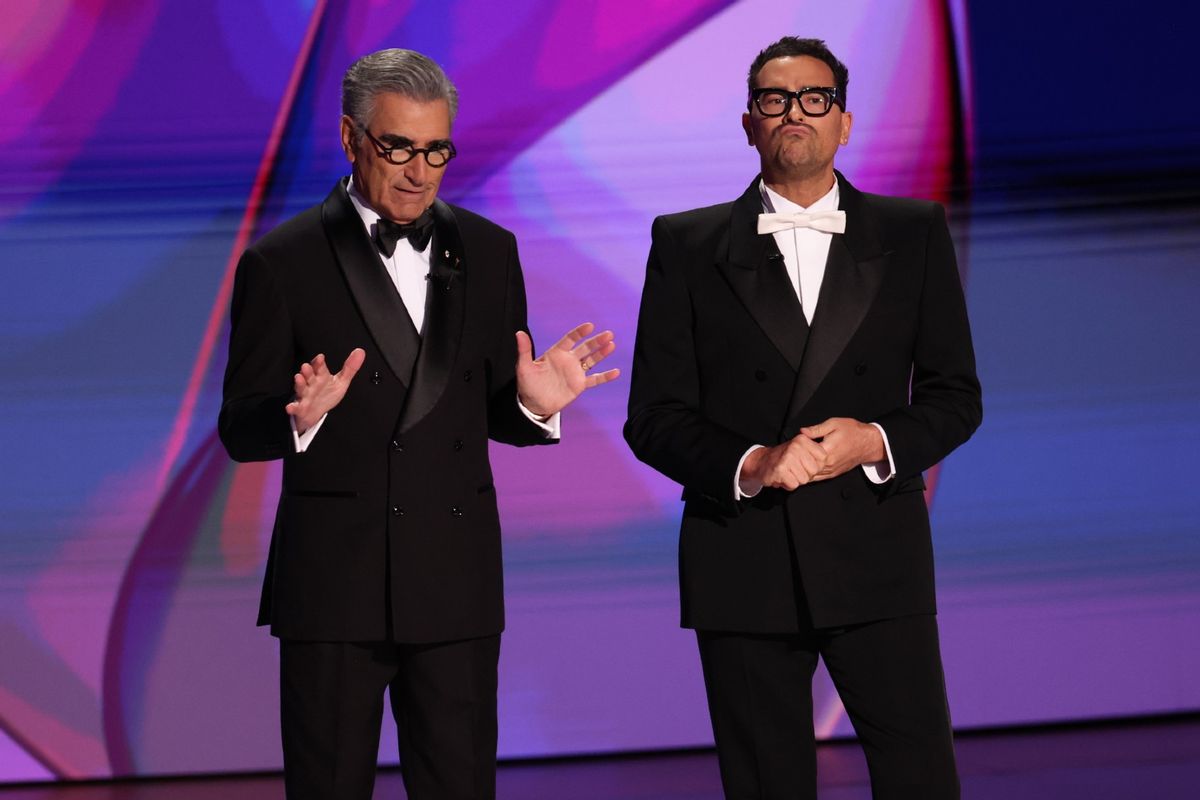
(889, 677)
(443, 699)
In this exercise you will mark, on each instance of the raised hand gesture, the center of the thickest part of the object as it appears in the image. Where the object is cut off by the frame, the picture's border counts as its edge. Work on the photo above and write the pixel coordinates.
(318, 390)
(551, 382)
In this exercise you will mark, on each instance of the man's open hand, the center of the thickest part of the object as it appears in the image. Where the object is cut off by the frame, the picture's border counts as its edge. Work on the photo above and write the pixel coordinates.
(548, 384)
(318, 390)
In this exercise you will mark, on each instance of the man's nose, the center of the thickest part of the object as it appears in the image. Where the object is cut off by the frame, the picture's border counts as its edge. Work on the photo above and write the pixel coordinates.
(794, 112)
(417, 170)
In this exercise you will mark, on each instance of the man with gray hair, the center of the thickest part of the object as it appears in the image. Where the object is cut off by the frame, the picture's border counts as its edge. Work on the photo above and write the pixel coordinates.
(384, 570)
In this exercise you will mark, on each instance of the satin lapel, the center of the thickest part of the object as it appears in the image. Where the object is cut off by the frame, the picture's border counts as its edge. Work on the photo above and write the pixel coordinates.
(374, 293)
(853, 274)
(756, 274)
(445, 311)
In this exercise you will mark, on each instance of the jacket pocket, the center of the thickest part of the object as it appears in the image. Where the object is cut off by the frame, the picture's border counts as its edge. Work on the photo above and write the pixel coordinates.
(913, 484)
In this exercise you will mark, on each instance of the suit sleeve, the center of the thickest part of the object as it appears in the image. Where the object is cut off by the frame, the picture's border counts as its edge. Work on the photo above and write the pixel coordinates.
(666, 427)
(946, 401)
(252, 424)
(506, 423)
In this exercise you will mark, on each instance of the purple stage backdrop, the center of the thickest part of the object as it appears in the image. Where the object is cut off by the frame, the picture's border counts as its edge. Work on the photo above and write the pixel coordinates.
(143, 145)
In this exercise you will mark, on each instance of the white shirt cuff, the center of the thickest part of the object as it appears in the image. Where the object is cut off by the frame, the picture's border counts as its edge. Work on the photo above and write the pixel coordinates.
(743, 490)
(551, 425)
(303, 440)
(881, 471)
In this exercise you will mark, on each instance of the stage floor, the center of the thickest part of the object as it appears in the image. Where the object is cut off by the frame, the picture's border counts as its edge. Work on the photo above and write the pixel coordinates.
(1158, 759)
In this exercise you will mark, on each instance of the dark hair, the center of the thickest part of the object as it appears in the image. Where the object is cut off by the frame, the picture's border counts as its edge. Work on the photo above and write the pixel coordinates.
(793, 46)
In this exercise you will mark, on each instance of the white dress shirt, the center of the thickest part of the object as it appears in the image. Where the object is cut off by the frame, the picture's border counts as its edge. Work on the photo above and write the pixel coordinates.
(409, 271)
(805, 252)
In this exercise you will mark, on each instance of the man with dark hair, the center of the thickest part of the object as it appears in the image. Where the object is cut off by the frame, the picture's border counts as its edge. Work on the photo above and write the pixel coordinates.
(384, 569)
(802, 355)
(792, 46)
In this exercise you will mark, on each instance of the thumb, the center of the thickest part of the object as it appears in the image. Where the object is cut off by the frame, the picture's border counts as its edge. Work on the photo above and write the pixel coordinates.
(524, 347)
(353, 363)
(818, 431)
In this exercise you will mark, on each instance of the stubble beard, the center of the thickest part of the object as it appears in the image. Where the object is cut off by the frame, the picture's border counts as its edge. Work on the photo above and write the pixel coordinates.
(798, 159)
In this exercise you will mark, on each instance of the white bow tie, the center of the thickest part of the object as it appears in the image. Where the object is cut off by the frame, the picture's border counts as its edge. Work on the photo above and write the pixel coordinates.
(826, 221)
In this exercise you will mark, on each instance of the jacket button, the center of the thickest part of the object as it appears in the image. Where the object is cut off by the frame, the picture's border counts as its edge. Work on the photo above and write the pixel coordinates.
(456, 511)
(375, 378)
(760, 375)
(860, 368)
(397, 511)
(458, 445)
(467, 375)
(399, 448)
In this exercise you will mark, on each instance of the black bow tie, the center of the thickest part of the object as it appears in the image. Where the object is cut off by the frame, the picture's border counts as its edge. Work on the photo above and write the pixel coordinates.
(418, 232)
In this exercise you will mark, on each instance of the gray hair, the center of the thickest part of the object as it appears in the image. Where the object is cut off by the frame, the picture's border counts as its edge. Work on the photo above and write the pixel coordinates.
(404, 72)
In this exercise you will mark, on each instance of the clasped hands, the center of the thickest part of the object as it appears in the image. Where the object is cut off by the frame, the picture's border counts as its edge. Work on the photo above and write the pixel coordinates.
(819, 452)
(545, 385)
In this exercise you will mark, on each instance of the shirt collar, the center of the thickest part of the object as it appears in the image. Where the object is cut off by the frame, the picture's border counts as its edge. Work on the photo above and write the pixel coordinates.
(368, 215)
(773, 201)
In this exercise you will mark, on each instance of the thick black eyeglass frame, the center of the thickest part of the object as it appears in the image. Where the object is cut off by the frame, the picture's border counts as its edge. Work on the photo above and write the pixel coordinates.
(388, 153)
(829, 91)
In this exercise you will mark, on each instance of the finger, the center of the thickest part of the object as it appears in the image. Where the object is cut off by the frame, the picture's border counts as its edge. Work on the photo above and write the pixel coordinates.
(813, 461)
(832, 463)
(798, 476)
(828, 445)
(352, 364)
(595, 353)
(781, 475)
(299, 384)
(831, 470)
(318, 364)
(801, 445)
(292, 408)
(524, 348)
(596, 342)
(603, 377)
(818, 431)
(574, 336)
(803, 464)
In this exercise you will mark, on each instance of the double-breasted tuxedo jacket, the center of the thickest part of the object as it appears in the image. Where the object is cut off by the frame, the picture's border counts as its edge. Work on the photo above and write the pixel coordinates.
(725, 360)
(387, 527)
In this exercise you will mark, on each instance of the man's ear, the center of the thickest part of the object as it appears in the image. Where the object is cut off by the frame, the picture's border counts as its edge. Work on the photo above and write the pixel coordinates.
(748, 128)
(348, 131)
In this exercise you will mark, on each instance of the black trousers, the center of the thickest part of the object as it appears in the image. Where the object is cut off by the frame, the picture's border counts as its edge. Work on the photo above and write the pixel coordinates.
(889, 677)
(443, 699)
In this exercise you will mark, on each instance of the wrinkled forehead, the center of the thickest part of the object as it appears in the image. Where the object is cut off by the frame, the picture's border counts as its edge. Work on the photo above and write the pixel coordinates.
(397, 114)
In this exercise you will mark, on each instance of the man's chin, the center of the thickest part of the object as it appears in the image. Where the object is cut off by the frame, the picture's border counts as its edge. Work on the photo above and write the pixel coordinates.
(406, 211)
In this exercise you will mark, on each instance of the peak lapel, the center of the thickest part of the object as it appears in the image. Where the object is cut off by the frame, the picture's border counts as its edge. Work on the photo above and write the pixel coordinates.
(756, 273)
(378, 302)
(445, 310)
(853, 274)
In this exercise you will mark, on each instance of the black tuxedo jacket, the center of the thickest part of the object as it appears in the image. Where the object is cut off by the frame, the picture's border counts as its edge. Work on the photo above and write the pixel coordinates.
(387, 527)
(724, 360)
